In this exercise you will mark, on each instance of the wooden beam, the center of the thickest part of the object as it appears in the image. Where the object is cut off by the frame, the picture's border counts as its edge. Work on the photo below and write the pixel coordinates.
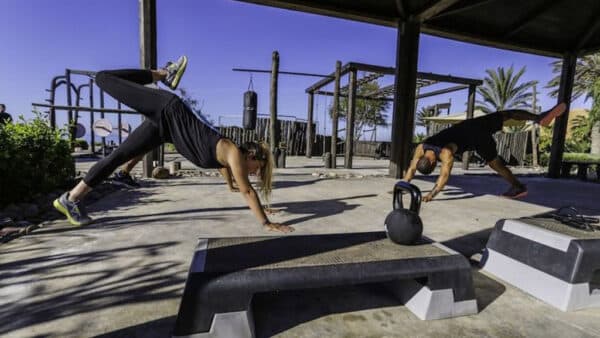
(273, 125)
(309, 129)
(362, 97)
(405, 81)
(91, 109)
(449, 78)
(350, 120)
(248, 70)
(336, 109)
(329, 9)
(400, 9)
(329, 79)
(565, 91)
(466, 156)
(468, 5)
(435, 9)
(443, 91)
(148, 60)
(525, 18)
(372, 68)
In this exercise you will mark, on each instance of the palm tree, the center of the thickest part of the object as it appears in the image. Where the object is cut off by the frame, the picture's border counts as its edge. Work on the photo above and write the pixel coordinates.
(586, 82)
(501, 90)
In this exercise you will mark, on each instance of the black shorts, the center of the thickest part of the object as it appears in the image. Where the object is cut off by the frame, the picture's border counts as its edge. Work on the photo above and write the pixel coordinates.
(481, 131)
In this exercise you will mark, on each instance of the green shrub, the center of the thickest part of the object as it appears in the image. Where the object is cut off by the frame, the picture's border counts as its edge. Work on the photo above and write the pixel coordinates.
(544, 159)
(33, 159)
(581, 158)
(170, 148)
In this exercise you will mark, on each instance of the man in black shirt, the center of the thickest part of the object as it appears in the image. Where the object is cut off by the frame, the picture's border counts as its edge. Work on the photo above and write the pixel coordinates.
(473, 134)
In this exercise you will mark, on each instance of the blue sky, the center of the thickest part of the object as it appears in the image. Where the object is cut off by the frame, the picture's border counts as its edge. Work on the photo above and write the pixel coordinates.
(41, 38)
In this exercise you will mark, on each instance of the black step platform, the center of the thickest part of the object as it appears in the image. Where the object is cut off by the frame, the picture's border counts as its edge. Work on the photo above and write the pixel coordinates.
(552, 261)
(225, 274)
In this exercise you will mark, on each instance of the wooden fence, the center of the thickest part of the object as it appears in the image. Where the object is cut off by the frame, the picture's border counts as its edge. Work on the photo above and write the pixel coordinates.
(512, 147)
(293, 134)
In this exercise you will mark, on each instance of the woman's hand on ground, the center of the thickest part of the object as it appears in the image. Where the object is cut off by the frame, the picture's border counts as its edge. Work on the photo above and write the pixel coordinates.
(427, 198)
(278, 227)
(271, 211)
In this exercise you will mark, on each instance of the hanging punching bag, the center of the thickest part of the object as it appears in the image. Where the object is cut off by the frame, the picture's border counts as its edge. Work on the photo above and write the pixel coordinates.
(250, 109)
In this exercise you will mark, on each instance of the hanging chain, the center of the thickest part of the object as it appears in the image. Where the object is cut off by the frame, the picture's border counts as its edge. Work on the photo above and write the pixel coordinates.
(251, 84)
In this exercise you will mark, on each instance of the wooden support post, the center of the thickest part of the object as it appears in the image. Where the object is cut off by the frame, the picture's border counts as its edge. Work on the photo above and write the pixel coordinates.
(350, 120)
(560, 124)
(336, 108)
(407, 52)
(534, 129)
(148, 59)
(92, 133)
(274, 126)
(309, 123)
(466, 156)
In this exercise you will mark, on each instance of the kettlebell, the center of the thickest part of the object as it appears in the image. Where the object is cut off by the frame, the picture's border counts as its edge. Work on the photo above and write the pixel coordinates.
(404, 226)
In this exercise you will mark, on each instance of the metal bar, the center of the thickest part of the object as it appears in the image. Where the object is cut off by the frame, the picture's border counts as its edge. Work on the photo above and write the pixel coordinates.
(350, 120)
(52, 112)
(336, 109)
(560, 124)
(104, 110)
(69, 103)
(280, 72)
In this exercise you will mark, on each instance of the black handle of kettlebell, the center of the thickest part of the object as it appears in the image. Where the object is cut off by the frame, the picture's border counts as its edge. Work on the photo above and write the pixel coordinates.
(415, 196)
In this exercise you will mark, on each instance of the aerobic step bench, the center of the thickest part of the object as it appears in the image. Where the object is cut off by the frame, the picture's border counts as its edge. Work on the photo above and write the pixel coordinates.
(552, 261)
(225, 274)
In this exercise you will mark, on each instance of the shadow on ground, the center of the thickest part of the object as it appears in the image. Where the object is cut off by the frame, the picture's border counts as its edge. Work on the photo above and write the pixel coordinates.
(93, 290)
(546, 192)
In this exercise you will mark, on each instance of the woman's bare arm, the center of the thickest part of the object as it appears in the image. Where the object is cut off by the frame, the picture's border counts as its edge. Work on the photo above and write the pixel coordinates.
(240, 174)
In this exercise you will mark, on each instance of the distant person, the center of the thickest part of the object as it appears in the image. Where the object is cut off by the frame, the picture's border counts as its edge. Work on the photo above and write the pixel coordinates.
(473, 134)
(169, 119)
(5, 117)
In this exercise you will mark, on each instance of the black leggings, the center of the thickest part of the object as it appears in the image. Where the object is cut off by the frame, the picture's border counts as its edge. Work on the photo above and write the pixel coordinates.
(127, 87)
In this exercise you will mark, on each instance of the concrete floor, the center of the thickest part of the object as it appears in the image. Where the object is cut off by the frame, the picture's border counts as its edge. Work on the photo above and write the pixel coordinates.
(124, 275)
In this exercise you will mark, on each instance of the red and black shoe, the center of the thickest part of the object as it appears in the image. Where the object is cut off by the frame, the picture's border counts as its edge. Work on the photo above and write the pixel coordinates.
(516, 192)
